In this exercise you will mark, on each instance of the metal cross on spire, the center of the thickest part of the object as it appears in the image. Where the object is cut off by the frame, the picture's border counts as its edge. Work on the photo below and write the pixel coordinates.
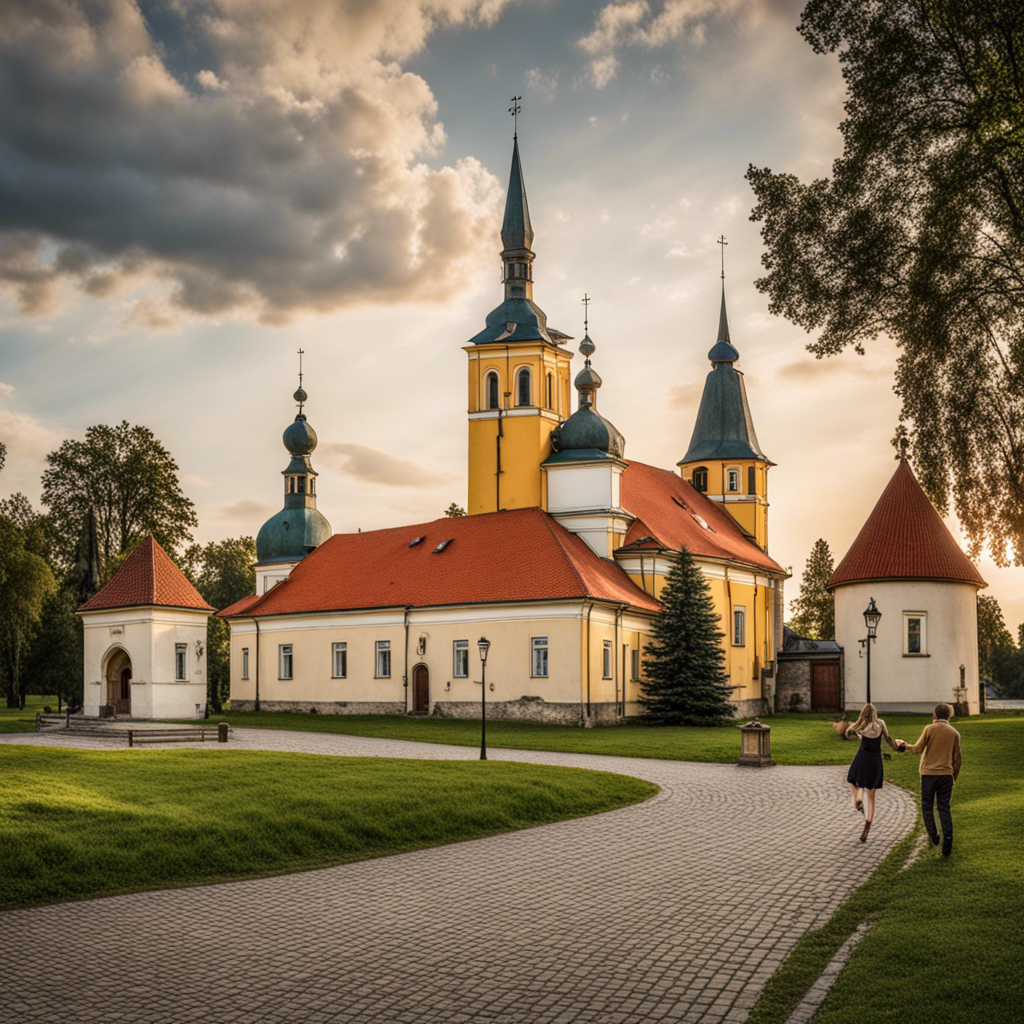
(301, 354)
(514, 110)
(723, 243)
(586, 312)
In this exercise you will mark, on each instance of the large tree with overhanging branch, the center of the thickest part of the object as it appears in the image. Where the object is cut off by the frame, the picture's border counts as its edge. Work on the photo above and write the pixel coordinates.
(684, 669)
(919, 234)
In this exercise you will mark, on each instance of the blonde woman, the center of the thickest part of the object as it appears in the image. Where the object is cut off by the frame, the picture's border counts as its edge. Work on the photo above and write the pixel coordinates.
(865, 774)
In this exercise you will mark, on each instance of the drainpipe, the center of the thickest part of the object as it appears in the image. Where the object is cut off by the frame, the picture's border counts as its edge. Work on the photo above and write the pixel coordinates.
(731, 624)
(256, 623)
(618, 647)
(405, 674)
(586, 719)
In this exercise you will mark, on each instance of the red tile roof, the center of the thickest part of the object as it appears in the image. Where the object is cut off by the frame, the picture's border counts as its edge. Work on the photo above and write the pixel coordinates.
(904, 538)
(239, 606)
(147, 577)
(665, 506)
(518, 555)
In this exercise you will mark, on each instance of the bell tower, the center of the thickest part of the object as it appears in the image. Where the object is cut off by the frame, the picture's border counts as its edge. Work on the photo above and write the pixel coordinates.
(518, 374)
(724, 460)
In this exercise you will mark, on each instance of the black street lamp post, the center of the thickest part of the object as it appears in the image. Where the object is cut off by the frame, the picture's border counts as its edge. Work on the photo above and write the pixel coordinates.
(872, 616)
(484, 644)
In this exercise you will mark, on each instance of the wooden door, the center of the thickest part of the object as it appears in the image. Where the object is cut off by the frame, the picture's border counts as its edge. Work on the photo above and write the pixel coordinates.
(421, 689)
(825, 686)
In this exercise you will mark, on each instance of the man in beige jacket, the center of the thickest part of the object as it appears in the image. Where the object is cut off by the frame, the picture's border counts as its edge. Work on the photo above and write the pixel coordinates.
(939, 747)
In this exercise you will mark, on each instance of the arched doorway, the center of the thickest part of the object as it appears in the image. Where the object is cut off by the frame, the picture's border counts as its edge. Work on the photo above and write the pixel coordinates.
(421, 689)
(119, 681)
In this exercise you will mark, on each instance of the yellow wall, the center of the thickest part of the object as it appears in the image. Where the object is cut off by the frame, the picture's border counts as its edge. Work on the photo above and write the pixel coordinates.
(525, 443)
(750, 510)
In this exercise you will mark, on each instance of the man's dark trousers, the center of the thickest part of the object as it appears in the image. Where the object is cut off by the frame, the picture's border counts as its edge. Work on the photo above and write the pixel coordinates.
(937, 789)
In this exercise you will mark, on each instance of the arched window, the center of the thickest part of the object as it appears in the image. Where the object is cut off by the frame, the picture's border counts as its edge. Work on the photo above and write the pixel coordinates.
(700, 479)
(492, 390)
(551, 395)
(523, 386)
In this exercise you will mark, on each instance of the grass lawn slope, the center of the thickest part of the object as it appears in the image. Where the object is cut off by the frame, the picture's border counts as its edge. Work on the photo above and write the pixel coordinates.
(77, 823)
(16, 720)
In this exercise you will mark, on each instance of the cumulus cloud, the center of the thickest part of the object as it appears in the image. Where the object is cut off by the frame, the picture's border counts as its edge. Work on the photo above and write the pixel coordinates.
(6, 389)
(256, 157)
(640, 24)
(542, 86)
(28, 443)
(374, 466)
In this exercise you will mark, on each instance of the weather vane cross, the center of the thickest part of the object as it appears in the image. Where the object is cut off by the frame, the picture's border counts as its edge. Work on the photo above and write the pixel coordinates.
(301, 353)
(514, 110)
(586, 312)
(723, 243)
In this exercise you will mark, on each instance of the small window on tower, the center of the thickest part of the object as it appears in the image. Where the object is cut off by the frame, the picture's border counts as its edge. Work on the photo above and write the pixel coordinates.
(523, 387)
(700, 479)
(751, 480)
(734, 480)
(492, 391)
(551, 403)
(302, 485)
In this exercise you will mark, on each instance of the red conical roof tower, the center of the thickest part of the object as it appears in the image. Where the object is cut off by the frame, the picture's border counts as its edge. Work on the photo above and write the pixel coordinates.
(904, 538)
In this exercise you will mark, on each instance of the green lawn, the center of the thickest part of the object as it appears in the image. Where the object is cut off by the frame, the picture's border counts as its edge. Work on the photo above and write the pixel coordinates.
(14, 720)
(77, 823)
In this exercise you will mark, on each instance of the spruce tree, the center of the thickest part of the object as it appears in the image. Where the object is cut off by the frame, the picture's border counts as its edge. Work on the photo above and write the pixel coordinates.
(814, 611)
(684, 674)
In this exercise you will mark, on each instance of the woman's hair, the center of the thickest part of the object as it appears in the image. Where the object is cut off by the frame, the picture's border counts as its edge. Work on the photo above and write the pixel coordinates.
(868, 715)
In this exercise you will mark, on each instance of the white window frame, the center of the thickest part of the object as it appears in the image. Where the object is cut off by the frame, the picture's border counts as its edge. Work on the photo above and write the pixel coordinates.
(382, 661)
(635, 665)
(245, 662)
(739, 626)
(460, 654)
(922, 617)
(285, 661)
(732, 480)
(339, 647)
(180, 663)
(606, 659)
(539, 666)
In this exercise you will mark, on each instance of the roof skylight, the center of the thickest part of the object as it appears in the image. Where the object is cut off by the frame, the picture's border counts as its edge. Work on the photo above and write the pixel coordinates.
(440, 547)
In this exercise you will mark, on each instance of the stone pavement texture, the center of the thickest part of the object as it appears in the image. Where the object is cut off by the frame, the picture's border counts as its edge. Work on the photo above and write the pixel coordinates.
(676, 909)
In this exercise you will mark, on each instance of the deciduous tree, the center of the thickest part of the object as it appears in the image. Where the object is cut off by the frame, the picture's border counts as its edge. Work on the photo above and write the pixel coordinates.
(919, 234)
(126, 477)
(684, 673)
(453, 511)
(814, 611)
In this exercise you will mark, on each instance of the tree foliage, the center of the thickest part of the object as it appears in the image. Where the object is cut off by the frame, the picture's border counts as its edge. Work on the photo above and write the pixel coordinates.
(126, 477)
(919, 234)
(684, 673)
(814, 611)
(453, 511)
(26, 582)
(223, 572)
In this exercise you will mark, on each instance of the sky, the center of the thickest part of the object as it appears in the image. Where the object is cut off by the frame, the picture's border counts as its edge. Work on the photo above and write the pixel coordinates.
(192, 190)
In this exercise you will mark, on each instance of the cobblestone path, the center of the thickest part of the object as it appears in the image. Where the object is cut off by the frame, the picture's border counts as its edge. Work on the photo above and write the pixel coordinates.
(677, 909)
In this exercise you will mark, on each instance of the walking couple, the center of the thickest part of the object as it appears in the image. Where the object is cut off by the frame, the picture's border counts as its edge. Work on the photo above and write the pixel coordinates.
(939, 747)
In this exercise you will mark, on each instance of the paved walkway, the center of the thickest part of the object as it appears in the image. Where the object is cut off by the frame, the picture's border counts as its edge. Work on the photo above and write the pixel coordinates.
(676, 909)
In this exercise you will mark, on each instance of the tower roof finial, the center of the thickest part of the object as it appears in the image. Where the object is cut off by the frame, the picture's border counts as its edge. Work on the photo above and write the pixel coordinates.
(723, 350)
(723, 243)
(300, 395)
(515, 111)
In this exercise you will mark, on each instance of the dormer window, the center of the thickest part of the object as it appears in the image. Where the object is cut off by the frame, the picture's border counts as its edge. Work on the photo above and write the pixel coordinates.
(523, 387)
(491, 389)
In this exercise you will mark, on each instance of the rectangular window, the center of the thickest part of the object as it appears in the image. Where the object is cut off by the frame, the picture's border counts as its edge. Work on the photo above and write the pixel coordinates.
(539, 663)
(284, 661)
(606, 660)
(635, 666)
(383, 659)
(245, 662)
(751, 480)
(339, 661)
(461, 659)
(739, 627)
(734, 479)
(180, 660)
(915, 633)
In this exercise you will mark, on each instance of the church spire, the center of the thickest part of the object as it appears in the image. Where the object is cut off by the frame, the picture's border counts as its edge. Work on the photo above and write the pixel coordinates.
(723, 350)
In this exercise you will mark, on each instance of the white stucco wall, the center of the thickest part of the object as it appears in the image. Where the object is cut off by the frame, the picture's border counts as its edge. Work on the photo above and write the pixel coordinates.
(902, 682)
(149, 636)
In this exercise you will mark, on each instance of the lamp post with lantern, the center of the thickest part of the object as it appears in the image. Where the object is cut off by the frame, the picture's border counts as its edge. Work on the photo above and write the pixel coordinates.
(484, 644)
(872, 616)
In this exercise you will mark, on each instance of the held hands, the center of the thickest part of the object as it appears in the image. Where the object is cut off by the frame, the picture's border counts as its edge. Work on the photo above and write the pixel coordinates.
(901, 746)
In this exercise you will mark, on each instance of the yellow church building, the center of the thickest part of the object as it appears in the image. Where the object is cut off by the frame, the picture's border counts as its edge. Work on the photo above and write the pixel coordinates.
(559, 562)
